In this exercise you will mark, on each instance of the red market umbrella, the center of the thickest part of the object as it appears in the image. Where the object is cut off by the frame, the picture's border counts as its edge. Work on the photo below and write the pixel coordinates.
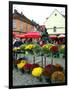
(13, 33)
(53, 37)
(32, 35)
(20, 36)
(61, 36)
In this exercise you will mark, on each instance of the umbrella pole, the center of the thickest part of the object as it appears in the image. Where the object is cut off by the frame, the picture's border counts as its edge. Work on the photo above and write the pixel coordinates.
(45, 60)
(42, 60)
(33, 59)
(52, 59)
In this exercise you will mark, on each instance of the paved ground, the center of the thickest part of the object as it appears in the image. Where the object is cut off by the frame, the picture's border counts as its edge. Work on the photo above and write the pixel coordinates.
(27, 79)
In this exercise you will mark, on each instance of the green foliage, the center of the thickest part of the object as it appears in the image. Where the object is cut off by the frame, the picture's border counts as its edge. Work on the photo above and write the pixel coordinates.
(62, 49)
(46, 48)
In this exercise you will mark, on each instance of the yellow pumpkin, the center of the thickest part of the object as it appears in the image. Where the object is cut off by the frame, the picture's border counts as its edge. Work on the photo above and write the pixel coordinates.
(36, 72)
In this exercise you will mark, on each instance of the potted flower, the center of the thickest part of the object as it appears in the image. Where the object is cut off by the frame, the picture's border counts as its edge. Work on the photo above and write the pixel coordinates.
(53, 50)
(33, 49)
(46, 51)
(62, 49)
(15, 50)
(57, 77)
(58, 67)
(27, 68)
(47, 72)
(37, 72)
(34, 66)
(21, 65)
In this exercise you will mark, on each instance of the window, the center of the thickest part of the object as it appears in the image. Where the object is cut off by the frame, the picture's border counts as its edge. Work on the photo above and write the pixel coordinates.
(21, 26)
(26, 27)
(14, 24)
(54, 29)
(55, 14)
(32, 28)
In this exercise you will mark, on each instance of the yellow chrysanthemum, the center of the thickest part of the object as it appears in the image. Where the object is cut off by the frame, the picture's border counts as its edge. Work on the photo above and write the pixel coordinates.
(30, 46)
(63, 46)
(23, 61)
(21, 65)
(16, 48)
(36, 72)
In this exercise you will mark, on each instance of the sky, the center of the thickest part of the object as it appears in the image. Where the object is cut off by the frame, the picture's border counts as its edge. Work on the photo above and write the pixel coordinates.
(37, 13)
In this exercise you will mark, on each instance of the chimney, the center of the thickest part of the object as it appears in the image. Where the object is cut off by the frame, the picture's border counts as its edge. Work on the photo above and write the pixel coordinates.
(21, 13)
(15, 11)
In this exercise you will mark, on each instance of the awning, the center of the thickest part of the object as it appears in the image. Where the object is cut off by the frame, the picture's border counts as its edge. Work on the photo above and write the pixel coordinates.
(13, 33)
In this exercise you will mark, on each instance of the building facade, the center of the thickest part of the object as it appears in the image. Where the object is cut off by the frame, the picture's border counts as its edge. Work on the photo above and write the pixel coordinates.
(55, 23)
(21, 24)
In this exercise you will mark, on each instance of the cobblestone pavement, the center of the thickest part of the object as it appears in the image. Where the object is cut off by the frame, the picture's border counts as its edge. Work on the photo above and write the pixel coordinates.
(27, 79)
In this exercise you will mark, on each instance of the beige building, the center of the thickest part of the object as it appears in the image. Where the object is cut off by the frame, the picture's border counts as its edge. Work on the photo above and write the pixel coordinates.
(55, 23)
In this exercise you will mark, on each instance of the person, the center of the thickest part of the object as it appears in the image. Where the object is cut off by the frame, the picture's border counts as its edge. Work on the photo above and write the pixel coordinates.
(45, 36)
(17, 43)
